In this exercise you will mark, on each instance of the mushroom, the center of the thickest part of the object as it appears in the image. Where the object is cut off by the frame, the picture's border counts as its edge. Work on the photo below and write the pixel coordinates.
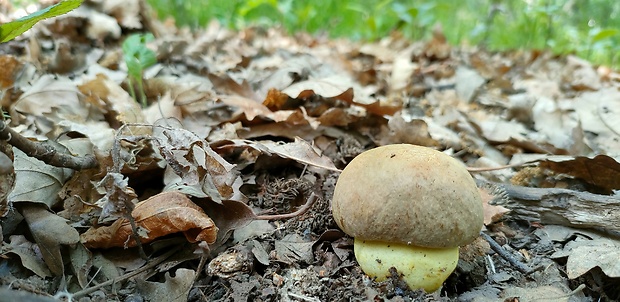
(408, 207)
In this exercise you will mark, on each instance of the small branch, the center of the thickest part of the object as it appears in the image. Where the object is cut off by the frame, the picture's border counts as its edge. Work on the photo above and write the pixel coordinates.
(45, 151)
(486, 169)
(504, 254)
(559, 206)
(146, 267)
(303, 209)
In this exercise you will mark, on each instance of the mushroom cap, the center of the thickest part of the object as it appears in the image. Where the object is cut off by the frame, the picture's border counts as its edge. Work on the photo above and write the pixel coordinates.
(408, 194)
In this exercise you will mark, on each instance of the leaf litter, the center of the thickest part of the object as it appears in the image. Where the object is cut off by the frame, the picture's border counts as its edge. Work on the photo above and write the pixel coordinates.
(219, 188)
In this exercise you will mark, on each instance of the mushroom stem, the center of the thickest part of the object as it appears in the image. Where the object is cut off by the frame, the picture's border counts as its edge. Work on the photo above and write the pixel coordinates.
(420, 267)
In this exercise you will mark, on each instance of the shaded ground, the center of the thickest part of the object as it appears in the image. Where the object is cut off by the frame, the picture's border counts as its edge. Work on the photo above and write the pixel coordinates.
(256, 123)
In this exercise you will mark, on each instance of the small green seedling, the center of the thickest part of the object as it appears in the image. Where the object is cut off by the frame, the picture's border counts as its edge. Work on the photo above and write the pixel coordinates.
(10, 30)
(138, 57)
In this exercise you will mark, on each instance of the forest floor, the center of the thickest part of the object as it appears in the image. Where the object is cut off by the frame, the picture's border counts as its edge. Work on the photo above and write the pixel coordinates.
(252, 125)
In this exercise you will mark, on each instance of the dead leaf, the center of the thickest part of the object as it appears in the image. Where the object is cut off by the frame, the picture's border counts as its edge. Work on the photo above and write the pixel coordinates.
(601, 171)
(468, 81)
(81, 262)
(56, 98)
(229, 216)
(29, 254)
(252, 108)
(438, 48)
(161, 215)
(50, 231)
(36, 181)
(300, 151)
(11, 69)
(98, 25)
(173, 289)
(492, 213)
(115, 100)
(127, 12)
(163, 108)
(413, 132)
(581, 75)
(293, 248)
(201, 171)
(554, 292)
(598, 114)
(226, 85)
(584, 255)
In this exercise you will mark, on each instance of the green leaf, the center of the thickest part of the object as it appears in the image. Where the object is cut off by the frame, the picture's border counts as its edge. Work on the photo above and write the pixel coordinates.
(10, 30)
(137, 56)
(604, 34)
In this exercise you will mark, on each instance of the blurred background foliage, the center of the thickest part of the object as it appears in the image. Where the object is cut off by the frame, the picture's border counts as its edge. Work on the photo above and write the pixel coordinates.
(588, 28)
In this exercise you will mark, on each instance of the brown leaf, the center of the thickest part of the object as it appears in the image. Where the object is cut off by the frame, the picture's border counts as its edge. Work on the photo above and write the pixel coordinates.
(116, 99)
(228, 216)
(277, 100)
(225, 85)
(601, 171)
(438, 48)
(252, 108)
(11, 67)
(492, 213)
(161, 215)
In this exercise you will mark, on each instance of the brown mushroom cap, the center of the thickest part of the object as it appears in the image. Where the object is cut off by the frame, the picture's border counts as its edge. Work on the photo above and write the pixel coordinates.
(408, 194)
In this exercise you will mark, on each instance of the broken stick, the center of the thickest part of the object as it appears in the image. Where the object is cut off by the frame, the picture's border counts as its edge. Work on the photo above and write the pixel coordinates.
(559, 206)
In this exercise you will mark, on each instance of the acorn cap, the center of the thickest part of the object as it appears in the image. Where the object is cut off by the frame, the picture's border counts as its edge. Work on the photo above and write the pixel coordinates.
(408, 194)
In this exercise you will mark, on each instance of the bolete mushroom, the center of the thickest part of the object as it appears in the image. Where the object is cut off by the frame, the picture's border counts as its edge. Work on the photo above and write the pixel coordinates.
(408, 207)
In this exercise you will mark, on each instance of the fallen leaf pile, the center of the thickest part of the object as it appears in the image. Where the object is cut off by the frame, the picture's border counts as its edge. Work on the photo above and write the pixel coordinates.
(244, 125)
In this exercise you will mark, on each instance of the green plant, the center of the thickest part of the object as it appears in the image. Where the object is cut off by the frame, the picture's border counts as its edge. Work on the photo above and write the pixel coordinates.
(10, 30)
(138, 57)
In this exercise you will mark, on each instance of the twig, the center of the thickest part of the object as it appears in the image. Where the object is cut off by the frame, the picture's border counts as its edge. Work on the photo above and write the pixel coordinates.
(486, 169)
(504, 254)
(303, 298)
(559, 206)
(124, 277)
(45, 151)
(303, 209)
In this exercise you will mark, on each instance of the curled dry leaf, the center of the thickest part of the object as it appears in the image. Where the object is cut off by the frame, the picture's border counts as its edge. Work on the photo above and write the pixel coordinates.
(601, 171)
(299, 150)
(200, 170)
(160, 215)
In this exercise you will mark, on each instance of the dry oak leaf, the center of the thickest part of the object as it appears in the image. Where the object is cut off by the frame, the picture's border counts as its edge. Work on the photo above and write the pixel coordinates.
(163, 214)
